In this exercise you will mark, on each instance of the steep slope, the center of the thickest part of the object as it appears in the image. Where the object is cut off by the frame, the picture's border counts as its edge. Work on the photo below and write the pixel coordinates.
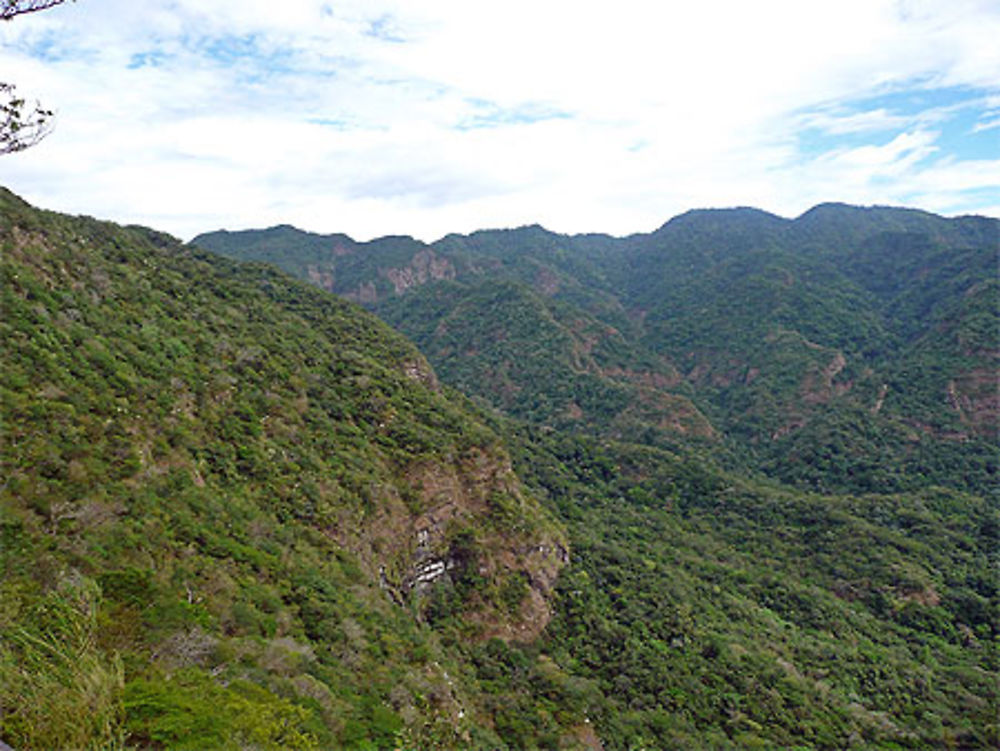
(371, 272)
(545, 361)
(234, 505)
(689, 245)
(521, 318)
(821, 344)
(821, 350)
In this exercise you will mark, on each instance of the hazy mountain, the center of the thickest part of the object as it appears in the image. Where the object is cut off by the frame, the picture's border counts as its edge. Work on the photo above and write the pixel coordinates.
(851, 348)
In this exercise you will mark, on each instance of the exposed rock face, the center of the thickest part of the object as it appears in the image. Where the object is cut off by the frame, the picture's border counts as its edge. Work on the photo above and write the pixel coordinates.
(975, 397)
(420, 370)
(321, 276)
(819, 387)
(425, 266)
(468, 519)
(366, 294)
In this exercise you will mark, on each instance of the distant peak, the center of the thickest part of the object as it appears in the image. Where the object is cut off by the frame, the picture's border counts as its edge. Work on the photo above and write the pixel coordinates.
(725, 215)
(831, 208)
(286, 229)
(276, 229)
(524, 228)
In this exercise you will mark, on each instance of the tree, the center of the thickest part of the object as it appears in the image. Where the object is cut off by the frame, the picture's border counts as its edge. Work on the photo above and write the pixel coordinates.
(22, 124)
(11, 8)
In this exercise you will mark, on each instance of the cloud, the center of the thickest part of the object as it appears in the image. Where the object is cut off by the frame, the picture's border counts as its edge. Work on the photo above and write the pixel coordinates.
(989, 121)
(389, 117)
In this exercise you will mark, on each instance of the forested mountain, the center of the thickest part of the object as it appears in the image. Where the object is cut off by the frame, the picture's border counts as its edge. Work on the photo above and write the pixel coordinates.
(228, 498)
(239, 512)
(849, 349)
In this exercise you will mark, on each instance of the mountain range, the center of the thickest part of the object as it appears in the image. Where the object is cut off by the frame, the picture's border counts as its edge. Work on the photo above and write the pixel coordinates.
(849, 349)
(730, 485)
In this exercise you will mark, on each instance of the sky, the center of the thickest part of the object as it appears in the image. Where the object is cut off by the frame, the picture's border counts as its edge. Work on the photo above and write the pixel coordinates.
(426, 117)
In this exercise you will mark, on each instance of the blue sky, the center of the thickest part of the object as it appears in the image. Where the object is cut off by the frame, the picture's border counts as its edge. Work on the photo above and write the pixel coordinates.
(435, 116)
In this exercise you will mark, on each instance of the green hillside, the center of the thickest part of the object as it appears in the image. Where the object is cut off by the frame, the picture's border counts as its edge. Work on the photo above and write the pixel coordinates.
(850, 349)
(239, 512)
(827, 345)
(234, 506)
(545, 360)
(702, 610)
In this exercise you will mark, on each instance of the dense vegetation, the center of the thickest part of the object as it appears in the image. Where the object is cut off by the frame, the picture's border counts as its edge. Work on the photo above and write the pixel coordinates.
(239, 512)
(214, 482)
(703, 610)
(848, 350)
(543, 361)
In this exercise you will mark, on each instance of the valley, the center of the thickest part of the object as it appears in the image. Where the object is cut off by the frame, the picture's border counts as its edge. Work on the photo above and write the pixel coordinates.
(730, 484)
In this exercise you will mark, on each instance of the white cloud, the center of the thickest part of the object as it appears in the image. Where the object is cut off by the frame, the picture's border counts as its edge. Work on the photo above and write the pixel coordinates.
(987, 123)
(349, 116)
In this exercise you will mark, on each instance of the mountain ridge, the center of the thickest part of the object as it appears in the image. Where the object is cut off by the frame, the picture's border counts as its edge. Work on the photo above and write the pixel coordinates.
(819, 208)
(709, 295)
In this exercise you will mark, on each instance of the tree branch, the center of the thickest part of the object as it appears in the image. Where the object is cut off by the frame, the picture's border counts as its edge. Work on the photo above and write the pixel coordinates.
(21, 125)
(11, 8)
